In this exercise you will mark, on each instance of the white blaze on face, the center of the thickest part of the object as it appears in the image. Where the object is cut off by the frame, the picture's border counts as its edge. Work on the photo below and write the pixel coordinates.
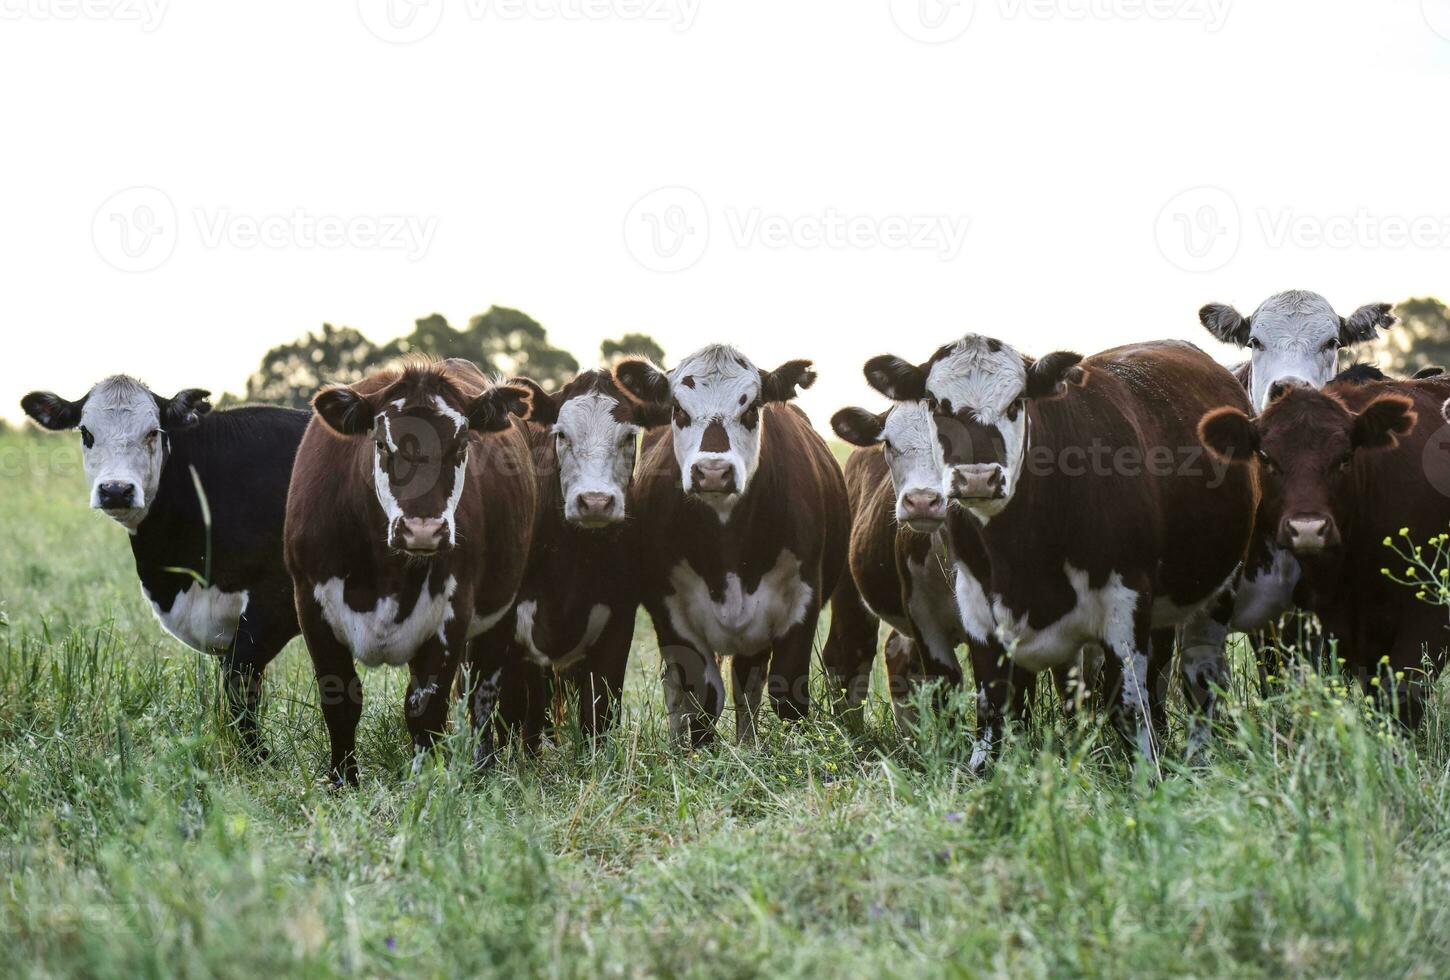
(1292, 337)
(912, 452)
(121, 443)
(419, 453)
(717, 393)
(595, 450)
(982, 381)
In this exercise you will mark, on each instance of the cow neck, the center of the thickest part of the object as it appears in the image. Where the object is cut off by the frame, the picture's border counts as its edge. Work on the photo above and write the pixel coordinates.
(173, 534)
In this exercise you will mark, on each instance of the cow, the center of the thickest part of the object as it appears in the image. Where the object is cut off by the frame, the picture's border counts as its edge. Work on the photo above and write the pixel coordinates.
(575, 611)
(1096, 520)
(158, 467)
(1345, 469)
(409, 523)
(743, 524)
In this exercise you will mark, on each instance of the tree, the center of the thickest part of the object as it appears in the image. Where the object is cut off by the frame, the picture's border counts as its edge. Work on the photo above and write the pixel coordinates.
(633, 343)
(1420, 338)
(291, 374)
(504, 341)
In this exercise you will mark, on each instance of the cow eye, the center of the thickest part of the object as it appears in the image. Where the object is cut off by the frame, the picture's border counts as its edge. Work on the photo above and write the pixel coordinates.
(1270, 464)
(750, 416)
(561, 438)
(1255, 343)
(681, 417)
(1346, 459)
(87, 439)
(151, 436)
(1330, 344)
(1013, 409)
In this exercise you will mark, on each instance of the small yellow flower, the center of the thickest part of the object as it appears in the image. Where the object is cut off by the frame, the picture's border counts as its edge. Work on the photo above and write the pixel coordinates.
(1404, 532)
(1385, 659)
(1130, 823)
(1388, 541)
(1399, 675)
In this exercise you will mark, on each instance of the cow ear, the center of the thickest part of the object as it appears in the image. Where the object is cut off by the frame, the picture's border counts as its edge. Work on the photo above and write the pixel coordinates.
(641, 382)
(1365, 323)
(1045, 374)
(1382, 422)
(898, 380)
(52, 411)
(649, 415)
(858, 426)
(490, 411)
(1225, 323)
(541, 408)
(1429, 371)
(344, 411)
(780, 385)
(1229, 434)
(185, 409)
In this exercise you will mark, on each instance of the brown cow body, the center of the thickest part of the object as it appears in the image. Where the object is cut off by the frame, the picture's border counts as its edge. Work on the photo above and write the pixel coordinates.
(384, 572)
(744, 526)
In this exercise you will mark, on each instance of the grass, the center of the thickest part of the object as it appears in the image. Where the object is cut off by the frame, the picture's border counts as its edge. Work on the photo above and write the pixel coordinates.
(135, 841)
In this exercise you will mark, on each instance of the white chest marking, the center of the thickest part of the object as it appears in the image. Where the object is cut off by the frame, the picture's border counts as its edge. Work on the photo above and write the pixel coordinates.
(1104, 614)
(740, 623)
(205, 619)
(375, 636)
(933, 610)
(482, 622)
(524, 633)
(973, 606)
(1260, 600)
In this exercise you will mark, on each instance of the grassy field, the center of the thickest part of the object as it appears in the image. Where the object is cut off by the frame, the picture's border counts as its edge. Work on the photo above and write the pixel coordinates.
(135, 841)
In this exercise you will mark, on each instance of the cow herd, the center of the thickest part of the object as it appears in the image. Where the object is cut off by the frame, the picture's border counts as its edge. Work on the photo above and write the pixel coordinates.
(1107, 520)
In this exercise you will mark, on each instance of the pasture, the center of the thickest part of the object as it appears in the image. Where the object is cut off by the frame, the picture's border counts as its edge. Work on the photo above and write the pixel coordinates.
(135, 840)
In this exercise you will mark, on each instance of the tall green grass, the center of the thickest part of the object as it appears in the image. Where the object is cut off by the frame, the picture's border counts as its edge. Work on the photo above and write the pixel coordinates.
(135, 840)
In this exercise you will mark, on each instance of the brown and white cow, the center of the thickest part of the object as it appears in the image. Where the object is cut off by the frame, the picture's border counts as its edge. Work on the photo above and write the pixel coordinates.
(574, 617)
(408, 526)
(743, 524)
(1096, 517)
(1344, 468)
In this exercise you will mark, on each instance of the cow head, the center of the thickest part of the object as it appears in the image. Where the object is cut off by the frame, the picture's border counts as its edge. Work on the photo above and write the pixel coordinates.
(907, 434)
(124, 430)
(714, 398)
(1306, 442)
(1293, 337)
(420, 425)
(595, 430)
(979, 389)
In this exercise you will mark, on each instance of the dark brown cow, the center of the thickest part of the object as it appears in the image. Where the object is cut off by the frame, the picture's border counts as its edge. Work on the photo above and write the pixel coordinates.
(1343, 469)
(574, 618)
(408, 526)
(1096, 517)
(744, 526)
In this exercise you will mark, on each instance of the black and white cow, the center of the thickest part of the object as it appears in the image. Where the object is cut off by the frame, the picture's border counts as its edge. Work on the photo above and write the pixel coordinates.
(744, 526)
(234, 599)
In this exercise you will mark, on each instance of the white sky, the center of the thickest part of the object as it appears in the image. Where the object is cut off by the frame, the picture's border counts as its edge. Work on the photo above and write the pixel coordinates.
(526, 136)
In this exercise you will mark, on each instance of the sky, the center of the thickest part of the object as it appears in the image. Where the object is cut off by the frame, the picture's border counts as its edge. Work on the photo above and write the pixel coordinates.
(189, 183)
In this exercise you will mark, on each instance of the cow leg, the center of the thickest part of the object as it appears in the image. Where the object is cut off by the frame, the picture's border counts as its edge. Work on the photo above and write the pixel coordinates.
(257, 644)
(904, 676)
(994, 675)
(429, 689)
(1204, 671)
(850, 648)
(1160, 678)
(694, 691)
(509, 694)
(748, 681)
(339, 690)
(601, 683)
(1128, 669)
(790, 668)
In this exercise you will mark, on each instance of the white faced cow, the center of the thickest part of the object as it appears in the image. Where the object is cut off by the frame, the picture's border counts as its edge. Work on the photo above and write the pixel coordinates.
(140, 450)
(743, 524)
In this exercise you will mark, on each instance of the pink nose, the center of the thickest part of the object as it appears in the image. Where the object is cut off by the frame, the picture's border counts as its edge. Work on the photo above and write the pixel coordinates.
(978, 481)
(594, 506)
(923, 506)
(713, 476)
(421, 534)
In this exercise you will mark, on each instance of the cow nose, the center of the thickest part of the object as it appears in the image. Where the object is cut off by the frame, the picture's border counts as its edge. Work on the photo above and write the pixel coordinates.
(423, 535)
(1307, 534)
(979, 481)
(924, 510)
(594, 506)
(116, 495)
(713, 476)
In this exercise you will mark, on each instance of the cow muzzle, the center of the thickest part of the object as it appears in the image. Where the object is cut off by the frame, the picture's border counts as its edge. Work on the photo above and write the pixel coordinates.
(979, 481)
(420, 535)
(596, 509)
(713, 476)
(1308, 534)
(922, 510)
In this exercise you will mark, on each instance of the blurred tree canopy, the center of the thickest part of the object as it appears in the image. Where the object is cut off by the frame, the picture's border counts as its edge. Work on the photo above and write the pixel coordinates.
(1420, 339)
(632, 343)
(503, 341)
